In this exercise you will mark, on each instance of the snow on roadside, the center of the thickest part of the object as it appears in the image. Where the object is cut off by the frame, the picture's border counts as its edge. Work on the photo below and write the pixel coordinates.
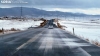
(22, 25)
(88, 29)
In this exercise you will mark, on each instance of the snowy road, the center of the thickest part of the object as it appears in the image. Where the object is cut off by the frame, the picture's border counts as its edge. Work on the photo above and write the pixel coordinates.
(45, 42)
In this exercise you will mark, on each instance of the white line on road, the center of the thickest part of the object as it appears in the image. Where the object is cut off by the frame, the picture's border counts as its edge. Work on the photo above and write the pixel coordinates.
(47, 42)
(29, 41)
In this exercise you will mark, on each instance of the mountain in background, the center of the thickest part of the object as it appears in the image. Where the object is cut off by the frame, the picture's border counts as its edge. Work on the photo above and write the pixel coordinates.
(16, 11)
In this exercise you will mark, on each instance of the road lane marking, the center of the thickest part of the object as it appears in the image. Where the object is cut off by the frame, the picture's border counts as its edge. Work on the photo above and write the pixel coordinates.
(47, 42)
(42, 46)
(29, 41)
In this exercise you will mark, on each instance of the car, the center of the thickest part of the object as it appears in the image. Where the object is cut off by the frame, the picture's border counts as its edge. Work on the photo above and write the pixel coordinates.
(50, 27)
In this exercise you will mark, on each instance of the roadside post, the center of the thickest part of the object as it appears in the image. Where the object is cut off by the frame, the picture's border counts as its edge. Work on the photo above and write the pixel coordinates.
(3, 30)
(73, 31)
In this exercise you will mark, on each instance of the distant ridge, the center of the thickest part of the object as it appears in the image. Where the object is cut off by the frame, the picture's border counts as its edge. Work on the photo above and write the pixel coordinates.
(16, 11)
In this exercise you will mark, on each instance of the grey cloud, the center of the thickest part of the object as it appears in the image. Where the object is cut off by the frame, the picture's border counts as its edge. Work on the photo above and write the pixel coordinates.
(60, 3)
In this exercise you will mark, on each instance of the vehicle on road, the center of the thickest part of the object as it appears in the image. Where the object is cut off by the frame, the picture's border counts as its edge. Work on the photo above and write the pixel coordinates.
(50, 27)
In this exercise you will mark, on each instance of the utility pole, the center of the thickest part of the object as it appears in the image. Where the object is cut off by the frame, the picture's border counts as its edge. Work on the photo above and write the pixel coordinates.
(21, 13)
(43, 14)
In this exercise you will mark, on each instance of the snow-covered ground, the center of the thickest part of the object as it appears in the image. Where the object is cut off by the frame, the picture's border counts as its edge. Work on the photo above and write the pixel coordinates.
(83, 28)
(22, 25)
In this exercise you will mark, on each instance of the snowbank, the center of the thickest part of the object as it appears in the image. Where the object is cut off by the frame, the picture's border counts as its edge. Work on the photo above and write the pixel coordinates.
(22, 25)
(87, 29)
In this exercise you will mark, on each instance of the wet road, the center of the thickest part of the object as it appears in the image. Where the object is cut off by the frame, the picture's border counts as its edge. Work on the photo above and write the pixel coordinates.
(45, 42)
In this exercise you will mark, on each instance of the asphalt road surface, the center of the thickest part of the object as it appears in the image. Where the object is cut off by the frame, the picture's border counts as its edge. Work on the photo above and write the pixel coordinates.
(45, 41)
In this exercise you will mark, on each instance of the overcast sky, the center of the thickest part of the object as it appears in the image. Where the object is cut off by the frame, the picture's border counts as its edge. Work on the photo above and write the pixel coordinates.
(81, 6)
